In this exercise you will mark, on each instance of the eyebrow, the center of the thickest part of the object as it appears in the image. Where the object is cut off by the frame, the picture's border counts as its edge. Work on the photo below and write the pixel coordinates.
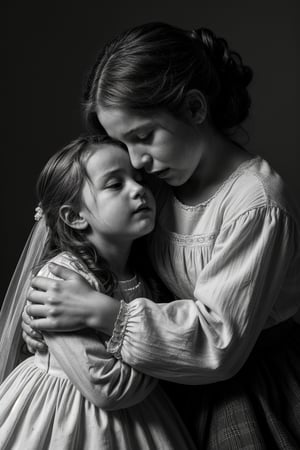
(108, 173)
(138, 128)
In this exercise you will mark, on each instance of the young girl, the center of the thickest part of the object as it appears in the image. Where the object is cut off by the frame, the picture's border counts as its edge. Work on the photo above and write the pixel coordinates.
(227, 242)
(76, 395)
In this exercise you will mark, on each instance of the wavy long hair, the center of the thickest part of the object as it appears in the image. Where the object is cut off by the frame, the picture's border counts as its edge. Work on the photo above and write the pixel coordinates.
(60, 183)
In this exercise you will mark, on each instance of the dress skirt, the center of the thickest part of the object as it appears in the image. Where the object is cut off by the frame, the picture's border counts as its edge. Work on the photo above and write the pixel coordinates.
(257, 409)
(39, 411)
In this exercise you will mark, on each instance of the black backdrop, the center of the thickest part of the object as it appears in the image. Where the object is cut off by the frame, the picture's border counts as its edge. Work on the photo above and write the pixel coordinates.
(47, 47)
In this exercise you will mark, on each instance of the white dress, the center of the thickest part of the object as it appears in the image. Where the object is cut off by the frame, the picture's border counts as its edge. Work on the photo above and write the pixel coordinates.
(233, 263)
(76, 396)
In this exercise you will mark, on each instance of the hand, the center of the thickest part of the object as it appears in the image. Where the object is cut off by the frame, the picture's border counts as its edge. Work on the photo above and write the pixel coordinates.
(69, 303)
(33, 339)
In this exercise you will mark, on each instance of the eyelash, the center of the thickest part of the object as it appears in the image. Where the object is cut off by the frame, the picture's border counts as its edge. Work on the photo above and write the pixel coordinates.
(144, 137)
(114, 185)
(138, 177)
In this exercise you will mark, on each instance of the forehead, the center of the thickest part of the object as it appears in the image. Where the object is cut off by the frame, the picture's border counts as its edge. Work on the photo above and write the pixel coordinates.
(106, 157)
(118, 122)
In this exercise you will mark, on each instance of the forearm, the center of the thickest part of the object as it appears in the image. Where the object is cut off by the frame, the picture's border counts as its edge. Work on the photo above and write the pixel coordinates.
(105, 381)
(175, 342)
(101, 312)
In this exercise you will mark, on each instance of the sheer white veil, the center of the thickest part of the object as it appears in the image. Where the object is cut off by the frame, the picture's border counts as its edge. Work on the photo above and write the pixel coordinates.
(15, 299)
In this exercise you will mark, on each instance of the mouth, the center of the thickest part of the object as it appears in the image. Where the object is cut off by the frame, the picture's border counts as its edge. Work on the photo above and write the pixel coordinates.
(160, 173)
(142, 208)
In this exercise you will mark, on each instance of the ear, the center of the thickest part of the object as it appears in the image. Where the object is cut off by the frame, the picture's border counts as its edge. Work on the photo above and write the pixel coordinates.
(72, 219)
(195, 107)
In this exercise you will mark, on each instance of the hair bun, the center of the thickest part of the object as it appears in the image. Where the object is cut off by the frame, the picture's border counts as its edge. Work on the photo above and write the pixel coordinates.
(232, 104)
(224, 59)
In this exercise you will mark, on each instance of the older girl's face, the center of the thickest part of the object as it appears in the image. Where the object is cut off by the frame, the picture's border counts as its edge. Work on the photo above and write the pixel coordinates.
(161, 144)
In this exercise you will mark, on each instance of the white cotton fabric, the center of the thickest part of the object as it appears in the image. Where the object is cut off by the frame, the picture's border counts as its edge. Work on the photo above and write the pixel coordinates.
(76, 396)
(233, 263)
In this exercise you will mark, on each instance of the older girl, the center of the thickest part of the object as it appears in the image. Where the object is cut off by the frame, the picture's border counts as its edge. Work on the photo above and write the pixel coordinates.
(227, 242)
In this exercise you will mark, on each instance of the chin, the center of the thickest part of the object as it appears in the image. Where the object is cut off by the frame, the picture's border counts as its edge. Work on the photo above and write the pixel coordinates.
(146, 229)
(176, 181)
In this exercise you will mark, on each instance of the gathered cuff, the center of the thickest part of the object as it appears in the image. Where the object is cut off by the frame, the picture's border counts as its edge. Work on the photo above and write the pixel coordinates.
(114, 344)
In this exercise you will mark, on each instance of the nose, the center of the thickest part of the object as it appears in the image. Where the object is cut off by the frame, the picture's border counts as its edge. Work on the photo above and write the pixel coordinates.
(139, 159)
(136, 189)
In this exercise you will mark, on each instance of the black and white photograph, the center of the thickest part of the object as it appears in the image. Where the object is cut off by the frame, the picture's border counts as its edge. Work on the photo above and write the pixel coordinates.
(150, 291)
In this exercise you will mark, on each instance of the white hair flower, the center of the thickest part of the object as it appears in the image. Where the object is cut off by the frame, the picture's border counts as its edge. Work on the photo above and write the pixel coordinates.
(38, 213)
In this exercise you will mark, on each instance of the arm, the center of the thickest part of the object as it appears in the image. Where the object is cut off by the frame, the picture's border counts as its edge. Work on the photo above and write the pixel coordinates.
(105, 381)
(208, 339)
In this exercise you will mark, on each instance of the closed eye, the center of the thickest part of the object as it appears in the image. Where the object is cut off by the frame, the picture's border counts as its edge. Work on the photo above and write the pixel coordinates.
(114, 184)
(144, 137)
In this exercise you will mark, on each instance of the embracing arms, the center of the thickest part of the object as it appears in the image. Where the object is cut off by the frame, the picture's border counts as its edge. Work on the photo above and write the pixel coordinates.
(208, 338)
(105, 381)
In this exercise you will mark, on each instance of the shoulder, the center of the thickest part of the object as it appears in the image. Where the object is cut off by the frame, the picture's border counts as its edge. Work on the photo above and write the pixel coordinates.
(70, 261)
(258, 186)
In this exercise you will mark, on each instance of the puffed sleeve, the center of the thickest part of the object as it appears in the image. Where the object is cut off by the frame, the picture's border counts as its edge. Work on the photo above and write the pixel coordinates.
(105, 381)
(208, 338)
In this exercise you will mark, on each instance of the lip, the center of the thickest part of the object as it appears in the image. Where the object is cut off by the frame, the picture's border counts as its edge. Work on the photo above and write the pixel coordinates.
(142, 208)
(160, 173)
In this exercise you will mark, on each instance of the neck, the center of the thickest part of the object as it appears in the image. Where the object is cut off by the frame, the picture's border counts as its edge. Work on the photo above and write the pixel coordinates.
(219, 158)
(116, 255)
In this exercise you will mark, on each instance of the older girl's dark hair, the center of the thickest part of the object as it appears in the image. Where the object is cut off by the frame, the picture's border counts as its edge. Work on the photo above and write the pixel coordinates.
(60, 183)
(155, 64)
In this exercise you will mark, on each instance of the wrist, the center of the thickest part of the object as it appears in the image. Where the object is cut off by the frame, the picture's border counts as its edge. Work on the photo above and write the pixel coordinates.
(102, 313)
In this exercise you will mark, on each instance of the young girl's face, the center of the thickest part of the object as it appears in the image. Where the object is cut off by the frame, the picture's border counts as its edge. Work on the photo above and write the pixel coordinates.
(116, 204)
(165, 146)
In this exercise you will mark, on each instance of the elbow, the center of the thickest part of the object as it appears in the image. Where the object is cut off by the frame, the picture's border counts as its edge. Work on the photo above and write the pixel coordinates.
(107, 404)
(112, 401)
(99, 397)
(102, 401)
(229, 363)
(114, 404)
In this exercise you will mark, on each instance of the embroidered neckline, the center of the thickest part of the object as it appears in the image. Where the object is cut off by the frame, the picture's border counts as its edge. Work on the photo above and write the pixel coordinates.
(237, 172)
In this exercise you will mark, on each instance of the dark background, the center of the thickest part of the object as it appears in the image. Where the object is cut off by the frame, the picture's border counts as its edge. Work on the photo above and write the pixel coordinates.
(47, 48)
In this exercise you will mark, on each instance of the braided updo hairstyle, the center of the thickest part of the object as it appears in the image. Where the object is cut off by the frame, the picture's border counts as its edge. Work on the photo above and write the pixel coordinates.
(155, 64)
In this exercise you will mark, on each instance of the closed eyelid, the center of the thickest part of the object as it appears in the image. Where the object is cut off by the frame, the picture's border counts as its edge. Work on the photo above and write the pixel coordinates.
(140, 133)
(113, 179)
(144, 133)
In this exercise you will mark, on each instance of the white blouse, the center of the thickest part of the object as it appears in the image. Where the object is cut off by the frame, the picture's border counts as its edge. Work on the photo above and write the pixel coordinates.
(233, 263)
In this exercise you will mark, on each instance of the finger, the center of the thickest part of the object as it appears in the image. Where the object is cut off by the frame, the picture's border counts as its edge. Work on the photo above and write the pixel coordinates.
(44, 324)
(37, 297)
(34, 345)
(30, 349)
(43, 283)
(25, 317)
(63, 272)
(37, 311)
(35, 334)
